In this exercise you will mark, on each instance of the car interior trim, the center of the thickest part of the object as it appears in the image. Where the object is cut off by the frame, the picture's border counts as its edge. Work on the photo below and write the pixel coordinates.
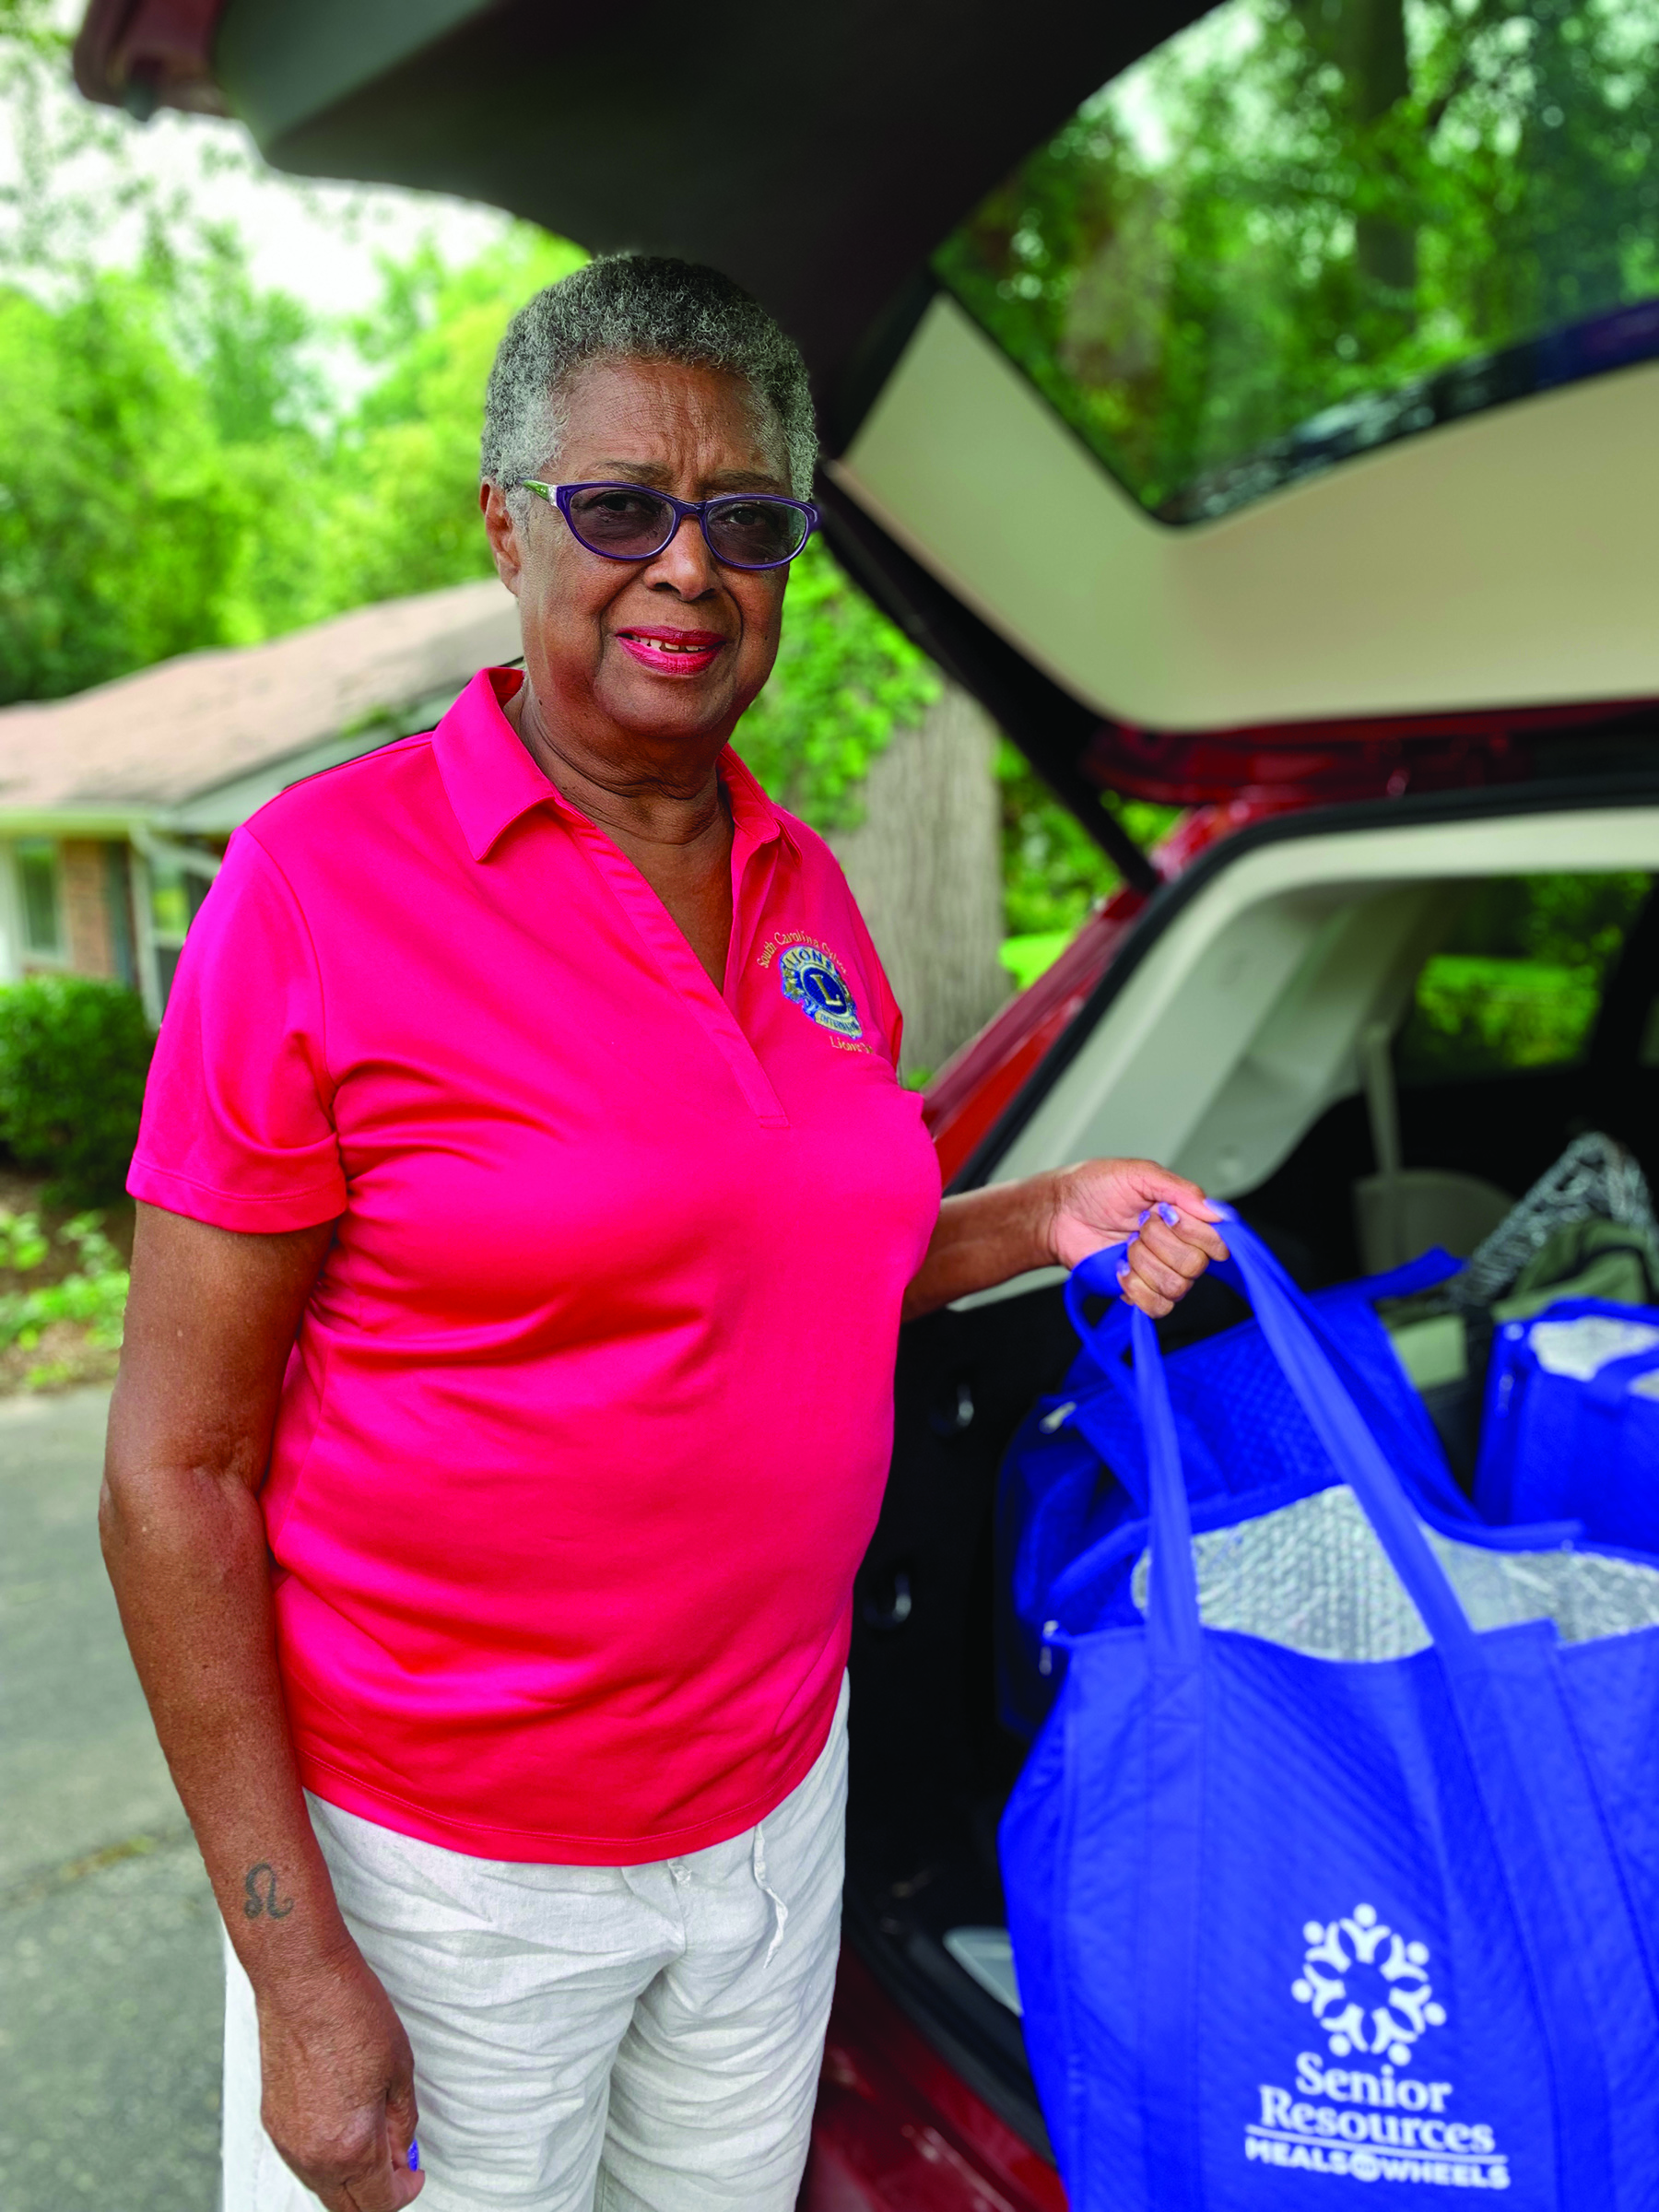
(1512, 548)
(1459, 817)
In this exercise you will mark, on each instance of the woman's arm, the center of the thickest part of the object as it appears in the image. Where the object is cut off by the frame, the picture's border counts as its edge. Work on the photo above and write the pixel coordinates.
(211, 1323)
(986, 1237)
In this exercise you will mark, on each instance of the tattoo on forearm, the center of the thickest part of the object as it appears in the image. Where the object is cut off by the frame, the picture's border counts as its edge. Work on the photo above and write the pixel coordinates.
(263, 1900)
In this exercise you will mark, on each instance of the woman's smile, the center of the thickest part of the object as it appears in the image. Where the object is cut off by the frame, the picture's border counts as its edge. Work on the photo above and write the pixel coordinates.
(671, 652)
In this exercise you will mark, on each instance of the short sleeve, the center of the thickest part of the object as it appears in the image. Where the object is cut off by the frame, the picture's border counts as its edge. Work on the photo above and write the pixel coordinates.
(238, 1127)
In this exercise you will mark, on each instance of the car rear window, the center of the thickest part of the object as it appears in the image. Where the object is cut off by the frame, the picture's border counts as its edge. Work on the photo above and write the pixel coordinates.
(1301, 229)
(1518, 979)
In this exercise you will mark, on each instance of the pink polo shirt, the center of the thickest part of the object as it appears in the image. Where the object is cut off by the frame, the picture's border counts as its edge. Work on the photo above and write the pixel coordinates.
(585, 1429)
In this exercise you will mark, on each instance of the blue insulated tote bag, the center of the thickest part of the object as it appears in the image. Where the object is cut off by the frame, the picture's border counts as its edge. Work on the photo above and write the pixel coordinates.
(1570, 1425)
(1072, 1496)
(1342, 1866)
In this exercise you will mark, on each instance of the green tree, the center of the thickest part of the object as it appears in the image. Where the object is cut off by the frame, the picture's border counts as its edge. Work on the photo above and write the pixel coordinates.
(1338, 198)
(845, 680)
(1053, 872)
(116, 536)
(162, 472)
(403, 510)
(176, 471)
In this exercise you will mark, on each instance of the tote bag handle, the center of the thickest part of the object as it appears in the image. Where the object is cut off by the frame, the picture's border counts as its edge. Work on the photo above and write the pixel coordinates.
(1609, 1387)
(1170, 1956)
(1108, 1339)
(1289, 1330)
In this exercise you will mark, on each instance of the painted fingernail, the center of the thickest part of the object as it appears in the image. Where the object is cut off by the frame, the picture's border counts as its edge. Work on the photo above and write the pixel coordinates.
(1123, 1274)
(1145, 1219)
(414, 2155)
(1167, 1212)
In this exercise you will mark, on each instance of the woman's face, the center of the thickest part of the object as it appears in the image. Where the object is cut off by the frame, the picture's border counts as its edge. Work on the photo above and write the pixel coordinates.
(599, 634)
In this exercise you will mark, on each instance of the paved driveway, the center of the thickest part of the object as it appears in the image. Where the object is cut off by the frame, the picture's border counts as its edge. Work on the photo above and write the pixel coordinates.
(109, 2002)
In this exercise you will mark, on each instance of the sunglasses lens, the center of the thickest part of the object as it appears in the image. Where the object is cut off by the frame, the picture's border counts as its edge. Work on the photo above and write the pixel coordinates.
(756, 534)
(626, 523)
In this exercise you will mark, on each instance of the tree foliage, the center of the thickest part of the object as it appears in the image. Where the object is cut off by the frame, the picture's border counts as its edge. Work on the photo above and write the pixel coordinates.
(402, 497)
(182, 465)
(1053, 872)
(176, 472)
(1299, 205)
(1519, 978)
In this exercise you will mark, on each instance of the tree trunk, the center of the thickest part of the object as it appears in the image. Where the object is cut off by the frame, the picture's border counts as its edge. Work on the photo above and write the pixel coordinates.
(925, 866)
(1365, 38)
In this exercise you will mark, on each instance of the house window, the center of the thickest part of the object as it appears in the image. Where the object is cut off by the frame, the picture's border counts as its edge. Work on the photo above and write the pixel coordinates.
(172, 908)
(36, 862)
(179, 881)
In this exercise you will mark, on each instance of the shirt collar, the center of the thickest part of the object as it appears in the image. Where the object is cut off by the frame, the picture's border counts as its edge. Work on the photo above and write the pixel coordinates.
(487, 775)
(490, 780)
(754, 817)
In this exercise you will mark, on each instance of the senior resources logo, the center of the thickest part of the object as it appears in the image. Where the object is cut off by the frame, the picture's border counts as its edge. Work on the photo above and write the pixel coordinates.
(1370, 1991)
(809, 979)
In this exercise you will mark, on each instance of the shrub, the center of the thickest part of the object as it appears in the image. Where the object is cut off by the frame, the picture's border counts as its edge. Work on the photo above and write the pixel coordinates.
(94, 1296)
(74, 1054)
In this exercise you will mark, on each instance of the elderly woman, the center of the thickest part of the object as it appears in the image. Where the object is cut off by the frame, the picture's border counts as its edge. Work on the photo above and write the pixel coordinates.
(529, 1204)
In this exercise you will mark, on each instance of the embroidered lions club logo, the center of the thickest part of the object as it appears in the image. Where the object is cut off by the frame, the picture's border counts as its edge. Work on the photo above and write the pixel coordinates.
(811, 980)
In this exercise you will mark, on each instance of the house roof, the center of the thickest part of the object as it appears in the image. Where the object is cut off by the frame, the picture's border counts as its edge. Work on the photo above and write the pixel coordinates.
(150, 741)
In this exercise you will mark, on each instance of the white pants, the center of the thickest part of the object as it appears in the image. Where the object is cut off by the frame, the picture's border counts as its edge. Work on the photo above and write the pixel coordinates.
(632, 2038)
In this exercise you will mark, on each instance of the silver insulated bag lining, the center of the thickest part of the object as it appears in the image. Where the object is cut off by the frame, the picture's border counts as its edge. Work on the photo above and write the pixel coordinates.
(1313, 1577)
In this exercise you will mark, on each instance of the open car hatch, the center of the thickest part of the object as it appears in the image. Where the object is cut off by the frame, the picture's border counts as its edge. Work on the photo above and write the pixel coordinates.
(1182, 393)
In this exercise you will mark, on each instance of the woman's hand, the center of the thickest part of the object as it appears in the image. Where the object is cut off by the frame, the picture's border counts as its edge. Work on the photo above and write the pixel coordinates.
(986, 1237)
(1170, 1221)
(338, 2081)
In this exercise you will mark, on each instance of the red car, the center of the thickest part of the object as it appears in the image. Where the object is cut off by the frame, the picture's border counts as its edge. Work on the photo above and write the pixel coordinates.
(1259, 410)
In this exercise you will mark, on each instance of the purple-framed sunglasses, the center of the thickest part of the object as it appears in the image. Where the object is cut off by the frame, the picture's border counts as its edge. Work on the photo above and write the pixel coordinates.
(630, 522)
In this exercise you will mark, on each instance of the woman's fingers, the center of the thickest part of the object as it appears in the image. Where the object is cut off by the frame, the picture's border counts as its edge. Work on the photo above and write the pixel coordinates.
(402, 2118)
(1156, 1278)
(369, 2174)
(1137, 1290)
(1186, 1243)
(1166, 1258)
(1161, 1187)
(1107, 1200)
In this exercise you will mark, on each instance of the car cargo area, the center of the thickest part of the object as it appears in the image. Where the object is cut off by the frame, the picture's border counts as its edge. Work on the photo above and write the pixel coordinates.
(1372, 1032)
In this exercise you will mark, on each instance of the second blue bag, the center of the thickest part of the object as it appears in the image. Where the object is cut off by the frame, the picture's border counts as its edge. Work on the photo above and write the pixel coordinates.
(1571, 1421)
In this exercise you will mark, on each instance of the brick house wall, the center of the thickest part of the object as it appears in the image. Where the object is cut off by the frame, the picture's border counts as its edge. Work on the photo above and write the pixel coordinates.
(83, 889)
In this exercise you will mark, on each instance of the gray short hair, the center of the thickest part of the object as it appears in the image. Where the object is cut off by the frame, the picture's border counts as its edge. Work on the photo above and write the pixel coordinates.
(637, 307)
